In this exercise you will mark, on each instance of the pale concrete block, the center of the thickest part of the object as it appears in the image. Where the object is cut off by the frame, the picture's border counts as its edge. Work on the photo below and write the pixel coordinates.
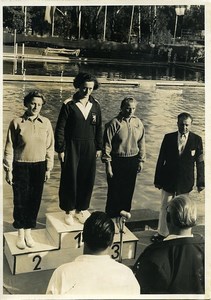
(66, 236)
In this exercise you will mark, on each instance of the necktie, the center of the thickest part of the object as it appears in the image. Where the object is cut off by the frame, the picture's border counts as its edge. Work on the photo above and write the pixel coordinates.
(182, 141)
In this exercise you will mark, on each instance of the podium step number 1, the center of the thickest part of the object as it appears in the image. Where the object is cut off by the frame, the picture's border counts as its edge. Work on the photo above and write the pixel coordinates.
(57, 244)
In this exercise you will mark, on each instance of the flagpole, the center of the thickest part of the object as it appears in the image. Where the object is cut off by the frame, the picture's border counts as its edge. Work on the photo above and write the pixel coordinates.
(52, 27)
(139, 24)
(153, 22)
(79, 23)
(15, 37)
(105, 20)
(25, 18)
(131, 23)
(175, 28)
(15, 52)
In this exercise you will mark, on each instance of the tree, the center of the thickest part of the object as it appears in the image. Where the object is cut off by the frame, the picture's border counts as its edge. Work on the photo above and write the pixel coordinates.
(164, 24)
(155, 24)
(38, 24)
(194, 18)
(13, 18)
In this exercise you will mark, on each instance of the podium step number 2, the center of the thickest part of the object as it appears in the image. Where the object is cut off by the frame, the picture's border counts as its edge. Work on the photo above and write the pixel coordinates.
(57, 244)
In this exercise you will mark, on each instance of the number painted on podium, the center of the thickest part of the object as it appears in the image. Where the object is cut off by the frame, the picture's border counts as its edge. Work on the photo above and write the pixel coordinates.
(38, 258)
(79, 239)
(115, 247)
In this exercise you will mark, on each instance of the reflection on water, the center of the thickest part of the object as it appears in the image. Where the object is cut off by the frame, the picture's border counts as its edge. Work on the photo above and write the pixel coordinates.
(158, 109)
(134, 70)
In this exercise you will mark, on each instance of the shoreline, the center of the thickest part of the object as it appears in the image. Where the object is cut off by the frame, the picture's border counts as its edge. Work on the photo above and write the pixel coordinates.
(64, 59)
(136, 82)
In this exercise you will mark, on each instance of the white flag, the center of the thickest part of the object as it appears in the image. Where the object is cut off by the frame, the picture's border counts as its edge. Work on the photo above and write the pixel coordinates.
(49, 12)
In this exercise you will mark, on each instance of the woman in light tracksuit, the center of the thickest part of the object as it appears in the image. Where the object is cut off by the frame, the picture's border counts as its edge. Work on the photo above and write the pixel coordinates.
(28, 161)
(124, 155)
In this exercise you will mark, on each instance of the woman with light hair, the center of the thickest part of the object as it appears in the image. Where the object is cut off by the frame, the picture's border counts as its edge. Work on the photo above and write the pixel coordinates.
(181, 214)
(176, 264)
(123, 155)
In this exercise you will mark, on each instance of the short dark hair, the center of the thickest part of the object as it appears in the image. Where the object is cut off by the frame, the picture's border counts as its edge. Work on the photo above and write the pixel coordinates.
(182, 211)
(127, 100)
(98, 232)
(184, 116)
(85, 77)
(28, 98)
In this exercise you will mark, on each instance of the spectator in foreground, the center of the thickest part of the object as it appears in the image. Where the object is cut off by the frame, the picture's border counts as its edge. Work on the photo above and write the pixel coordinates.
(176, 264)
(95, 273)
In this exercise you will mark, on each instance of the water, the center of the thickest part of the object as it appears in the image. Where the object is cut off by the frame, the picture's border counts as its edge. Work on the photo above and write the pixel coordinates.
(128, 69)
(157, 108)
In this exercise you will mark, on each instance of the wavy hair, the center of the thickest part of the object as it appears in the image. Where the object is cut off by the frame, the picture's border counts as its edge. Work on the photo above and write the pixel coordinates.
(98, 231)
(81, 78)
(28, 98)
(182, 211)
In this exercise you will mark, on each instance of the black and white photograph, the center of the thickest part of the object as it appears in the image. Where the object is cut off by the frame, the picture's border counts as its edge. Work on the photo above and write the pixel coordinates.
(105, 142)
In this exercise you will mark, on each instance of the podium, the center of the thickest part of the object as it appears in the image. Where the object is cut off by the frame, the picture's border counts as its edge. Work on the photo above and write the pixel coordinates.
(57, 244)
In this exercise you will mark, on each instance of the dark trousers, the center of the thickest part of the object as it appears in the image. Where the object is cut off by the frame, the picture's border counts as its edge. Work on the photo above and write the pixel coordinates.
(78, 175)
(121, 185)
(28, 181)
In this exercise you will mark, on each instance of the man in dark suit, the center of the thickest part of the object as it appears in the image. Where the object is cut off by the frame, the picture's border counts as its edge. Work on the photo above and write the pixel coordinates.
(179, 153)
(176, 264)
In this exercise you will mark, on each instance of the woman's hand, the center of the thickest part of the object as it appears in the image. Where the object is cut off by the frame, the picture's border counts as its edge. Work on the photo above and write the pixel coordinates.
(109, 171)
(9, 177)
(200, 188)
(140, 167)
(47, 175)
(98, 153)
(61, 157)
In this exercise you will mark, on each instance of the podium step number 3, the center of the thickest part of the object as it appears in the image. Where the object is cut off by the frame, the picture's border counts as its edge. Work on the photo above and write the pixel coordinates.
(57, 244)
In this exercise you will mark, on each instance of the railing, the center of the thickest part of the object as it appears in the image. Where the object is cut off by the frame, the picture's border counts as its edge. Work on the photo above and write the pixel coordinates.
(192, 35)
(62, 51)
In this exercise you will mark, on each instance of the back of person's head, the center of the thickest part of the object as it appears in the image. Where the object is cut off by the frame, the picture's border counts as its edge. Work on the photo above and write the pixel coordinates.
(98, 231)
(181, 212)
(33, 94)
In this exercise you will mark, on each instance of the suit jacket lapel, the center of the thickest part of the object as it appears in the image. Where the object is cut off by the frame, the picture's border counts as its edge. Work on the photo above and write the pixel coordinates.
(175, 143)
